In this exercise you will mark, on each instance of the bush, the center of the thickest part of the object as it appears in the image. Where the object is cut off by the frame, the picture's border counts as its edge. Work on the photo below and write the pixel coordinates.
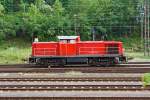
(146, 79)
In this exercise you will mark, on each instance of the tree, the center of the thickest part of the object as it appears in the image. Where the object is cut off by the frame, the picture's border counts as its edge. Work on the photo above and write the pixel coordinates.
(43, 6)
(2, 9)
(50, 18)
(58, 16)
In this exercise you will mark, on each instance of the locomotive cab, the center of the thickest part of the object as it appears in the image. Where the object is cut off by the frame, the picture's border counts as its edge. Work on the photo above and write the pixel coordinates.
(67, 45)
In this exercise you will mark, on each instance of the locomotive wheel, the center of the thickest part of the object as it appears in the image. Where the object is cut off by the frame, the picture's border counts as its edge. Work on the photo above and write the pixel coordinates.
(92, 62)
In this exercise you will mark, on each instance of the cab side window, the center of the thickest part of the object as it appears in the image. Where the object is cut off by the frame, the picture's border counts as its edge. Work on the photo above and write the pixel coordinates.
(72, 41)
(68, 41)
(63, 41)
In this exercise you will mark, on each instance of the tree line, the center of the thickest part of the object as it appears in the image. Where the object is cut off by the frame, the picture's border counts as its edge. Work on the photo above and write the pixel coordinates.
(50, 18)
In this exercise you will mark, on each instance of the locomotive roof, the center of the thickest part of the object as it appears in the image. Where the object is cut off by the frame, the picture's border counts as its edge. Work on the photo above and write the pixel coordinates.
(67, 37)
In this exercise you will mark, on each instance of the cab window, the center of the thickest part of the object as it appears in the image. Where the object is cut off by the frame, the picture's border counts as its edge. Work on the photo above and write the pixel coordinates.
(72, 41)
(63, 41)
(68, 41)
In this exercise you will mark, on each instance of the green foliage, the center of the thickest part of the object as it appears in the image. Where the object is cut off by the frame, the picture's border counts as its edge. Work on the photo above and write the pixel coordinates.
(49, 18)
(146, 79)
(14, 51)
(2, 9)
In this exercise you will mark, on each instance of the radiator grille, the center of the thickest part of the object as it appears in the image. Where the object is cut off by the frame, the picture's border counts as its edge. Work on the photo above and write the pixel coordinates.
(112, 49)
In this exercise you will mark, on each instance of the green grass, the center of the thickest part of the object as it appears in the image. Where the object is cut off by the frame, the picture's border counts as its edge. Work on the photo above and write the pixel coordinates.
(14, 51)
(14, 55)
(137, 55)
(18, 51)
(146, 79)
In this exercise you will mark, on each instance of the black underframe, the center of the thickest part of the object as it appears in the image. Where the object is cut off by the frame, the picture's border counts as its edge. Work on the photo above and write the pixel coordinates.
(84, 59)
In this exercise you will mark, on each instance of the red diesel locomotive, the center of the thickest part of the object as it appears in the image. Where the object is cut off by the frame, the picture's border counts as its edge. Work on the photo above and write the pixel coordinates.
(70, 50)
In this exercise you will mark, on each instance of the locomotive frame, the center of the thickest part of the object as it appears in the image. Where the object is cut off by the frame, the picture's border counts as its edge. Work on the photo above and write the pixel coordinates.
(70, 50)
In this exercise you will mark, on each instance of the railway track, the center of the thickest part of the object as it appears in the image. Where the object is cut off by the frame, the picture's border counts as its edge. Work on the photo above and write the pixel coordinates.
(75, 98)
(62, 91)
(69, 84)
(76, 88)
(130, 64)
(73, 88)
(132, 67)
(74, 79)
(138, 62)
(83, 69)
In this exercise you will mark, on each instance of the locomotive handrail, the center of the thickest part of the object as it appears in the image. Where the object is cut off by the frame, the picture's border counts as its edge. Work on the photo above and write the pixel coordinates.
(45, 50)
(93, 51)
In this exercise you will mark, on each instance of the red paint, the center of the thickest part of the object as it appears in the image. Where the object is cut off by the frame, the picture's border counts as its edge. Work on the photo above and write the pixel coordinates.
(67, 49)
(77, 48)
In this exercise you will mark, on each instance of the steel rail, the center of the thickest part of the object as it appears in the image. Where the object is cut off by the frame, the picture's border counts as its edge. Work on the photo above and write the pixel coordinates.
(75, 79)
(21, 66)
(130, 64)
(138, 62)
(75, 98)
(84, 70)
(73, 87)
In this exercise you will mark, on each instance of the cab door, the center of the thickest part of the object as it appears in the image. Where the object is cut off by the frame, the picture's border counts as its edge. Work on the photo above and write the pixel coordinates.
(67, 48)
